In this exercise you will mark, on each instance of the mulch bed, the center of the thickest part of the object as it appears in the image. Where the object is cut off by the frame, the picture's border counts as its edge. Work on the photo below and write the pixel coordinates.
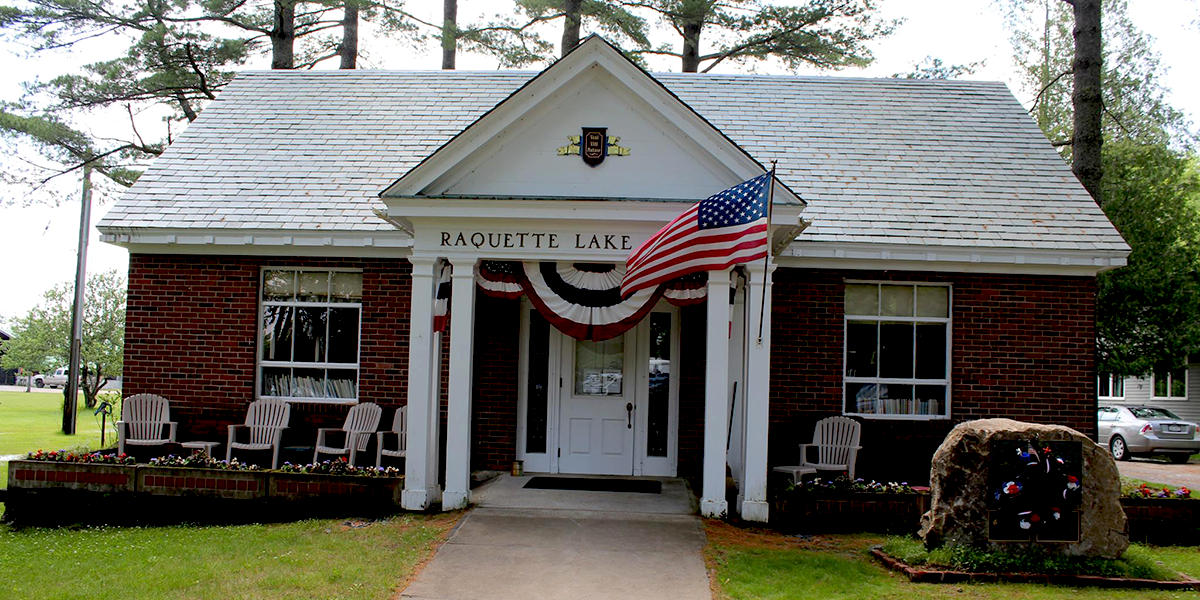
(930, 575)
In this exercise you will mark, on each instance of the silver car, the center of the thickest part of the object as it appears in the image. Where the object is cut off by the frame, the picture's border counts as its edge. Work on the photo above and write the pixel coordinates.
(1146, 430)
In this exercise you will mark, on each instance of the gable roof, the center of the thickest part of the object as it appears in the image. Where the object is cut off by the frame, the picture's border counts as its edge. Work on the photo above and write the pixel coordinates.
(893, 161)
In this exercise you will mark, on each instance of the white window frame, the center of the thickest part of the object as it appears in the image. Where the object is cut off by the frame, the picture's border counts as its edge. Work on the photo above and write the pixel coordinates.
(1170, 377)
(259, 363)
(949, 322)
(1113, 380)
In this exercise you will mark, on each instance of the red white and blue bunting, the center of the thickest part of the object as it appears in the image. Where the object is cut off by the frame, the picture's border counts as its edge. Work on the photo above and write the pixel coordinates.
(583, 300)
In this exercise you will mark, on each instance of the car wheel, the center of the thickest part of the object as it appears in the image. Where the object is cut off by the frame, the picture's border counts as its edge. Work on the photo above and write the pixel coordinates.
(39, 383)
(1178, 459)
(1118, 448)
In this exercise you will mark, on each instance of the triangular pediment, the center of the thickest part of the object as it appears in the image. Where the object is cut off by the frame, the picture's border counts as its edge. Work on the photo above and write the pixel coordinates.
(527, 146)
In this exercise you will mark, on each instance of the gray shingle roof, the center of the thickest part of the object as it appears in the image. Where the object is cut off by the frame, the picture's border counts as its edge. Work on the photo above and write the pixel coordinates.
(951, 163)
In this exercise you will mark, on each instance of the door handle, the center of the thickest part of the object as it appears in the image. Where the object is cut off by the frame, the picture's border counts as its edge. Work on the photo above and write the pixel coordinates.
(629, 414)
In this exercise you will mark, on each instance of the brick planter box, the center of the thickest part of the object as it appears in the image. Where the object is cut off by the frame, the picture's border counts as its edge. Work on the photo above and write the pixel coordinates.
(876, 513)
(42, 475)
(1162, 521)
(208, 483)
(49, 493)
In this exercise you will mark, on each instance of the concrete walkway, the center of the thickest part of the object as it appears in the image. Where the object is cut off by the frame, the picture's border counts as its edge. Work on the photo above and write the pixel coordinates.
(571, 551)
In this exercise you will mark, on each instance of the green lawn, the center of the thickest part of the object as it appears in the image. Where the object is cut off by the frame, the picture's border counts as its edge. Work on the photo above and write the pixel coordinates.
(767, 565)
(309, 559)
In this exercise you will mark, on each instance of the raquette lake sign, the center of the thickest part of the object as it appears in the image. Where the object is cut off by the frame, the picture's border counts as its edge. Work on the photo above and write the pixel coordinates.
(536, 240)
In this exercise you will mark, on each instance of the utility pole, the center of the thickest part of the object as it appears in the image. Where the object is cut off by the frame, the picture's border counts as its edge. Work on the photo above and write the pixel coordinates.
(71, 389)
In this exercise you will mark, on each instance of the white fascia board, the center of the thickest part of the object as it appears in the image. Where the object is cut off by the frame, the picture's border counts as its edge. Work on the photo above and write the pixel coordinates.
(593, 53)
(883, 257)
(660, 212)
(258, 242)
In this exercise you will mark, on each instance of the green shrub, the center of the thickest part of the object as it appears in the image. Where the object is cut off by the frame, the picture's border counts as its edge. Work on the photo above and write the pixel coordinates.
(1137, 562)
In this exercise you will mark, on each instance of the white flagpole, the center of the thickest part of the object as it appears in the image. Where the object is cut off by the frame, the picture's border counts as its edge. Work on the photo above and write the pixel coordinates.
(767, 258)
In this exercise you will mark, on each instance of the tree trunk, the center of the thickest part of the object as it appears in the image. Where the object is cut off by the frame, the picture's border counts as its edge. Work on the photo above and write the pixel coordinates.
(449, 33)
(691, 46)
(283, 35)
(349, 47)
(570, 38)
(1086, 97)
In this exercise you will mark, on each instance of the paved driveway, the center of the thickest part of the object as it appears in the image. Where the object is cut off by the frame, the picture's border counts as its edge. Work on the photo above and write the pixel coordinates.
(1158, 471)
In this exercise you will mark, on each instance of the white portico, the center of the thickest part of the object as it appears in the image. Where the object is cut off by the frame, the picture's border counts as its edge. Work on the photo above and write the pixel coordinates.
(507, 190)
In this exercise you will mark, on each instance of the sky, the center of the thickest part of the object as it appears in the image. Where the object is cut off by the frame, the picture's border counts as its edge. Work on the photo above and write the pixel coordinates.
(39, 241)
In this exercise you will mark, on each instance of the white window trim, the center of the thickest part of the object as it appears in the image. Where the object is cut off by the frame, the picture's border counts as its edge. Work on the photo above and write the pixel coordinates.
(259, 363)
(1112, 380)
(1154, 387)
(948, 320)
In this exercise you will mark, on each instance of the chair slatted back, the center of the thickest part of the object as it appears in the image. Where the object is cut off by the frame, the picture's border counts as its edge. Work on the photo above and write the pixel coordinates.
(833, 437)
(361, 422)
(264, 417)
(145, 415)
(400, 427)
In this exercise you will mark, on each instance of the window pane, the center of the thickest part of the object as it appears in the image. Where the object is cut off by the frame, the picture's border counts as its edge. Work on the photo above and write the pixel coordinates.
(1118, 387)
(599, 367)
(896, 350)
(310, 333)
(931, 399)
(308, 383)
(276, 381)
(660, 384)
(931, 350)
(346, 287)
(314, 286)
(1160, 384)
(539, 361)
(862, 299)
(342, 383)
(897, 300)
(861, 397)
(1179, 383)
(860, 349)
(277, 333)
(1102, 386)
(895, 399)
(343, 335)
(279, 285)
(933, 301)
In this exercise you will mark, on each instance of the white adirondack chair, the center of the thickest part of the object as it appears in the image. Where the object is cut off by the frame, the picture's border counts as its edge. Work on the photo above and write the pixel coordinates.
(144, 420)
(265, 422)
(836, 440)
(400, 431)
(361, 422)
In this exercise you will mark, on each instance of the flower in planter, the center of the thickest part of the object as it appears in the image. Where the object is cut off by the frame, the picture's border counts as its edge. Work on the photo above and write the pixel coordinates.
(1183, 492)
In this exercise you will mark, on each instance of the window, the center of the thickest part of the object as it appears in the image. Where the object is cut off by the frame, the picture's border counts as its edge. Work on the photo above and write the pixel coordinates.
(309, 332)
(1110, 387)
(1108, 413)
(897, 362)
(599, 367)
(1170, 384)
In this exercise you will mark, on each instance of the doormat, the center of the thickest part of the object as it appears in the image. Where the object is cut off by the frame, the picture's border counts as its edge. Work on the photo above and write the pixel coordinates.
(637, 486)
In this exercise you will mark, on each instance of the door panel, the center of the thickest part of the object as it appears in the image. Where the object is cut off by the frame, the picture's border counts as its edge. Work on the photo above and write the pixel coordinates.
(596, 402)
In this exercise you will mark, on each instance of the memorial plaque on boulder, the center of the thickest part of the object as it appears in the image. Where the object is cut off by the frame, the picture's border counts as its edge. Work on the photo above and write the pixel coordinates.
(999, 484)
(1035, 489)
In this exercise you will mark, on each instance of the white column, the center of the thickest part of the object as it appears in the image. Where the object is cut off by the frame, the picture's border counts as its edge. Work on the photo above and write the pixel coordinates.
(420, 481)
(716, 396)
(758, 389)
(458, 412)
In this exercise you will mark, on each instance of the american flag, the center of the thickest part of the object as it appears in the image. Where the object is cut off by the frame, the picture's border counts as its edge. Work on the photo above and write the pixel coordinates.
(728, 228)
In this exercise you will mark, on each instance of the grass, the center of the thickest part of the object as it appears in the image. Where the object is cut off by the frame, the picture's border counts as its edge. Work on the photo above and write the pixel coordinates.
(1136, 563)
(310, 559)
(750, 564)
(32, 421)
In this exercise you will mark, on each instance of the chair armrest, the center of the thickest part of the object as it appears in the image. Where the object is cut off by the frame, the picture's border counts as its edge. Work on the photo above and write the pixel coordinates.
(322, 432)
(172, 425)
(233, 432)
(804, 452)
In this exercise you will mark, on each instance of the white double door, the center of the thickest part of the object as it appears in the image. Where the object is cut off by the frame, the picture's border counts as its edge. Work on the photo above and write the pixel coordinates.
(614, 408)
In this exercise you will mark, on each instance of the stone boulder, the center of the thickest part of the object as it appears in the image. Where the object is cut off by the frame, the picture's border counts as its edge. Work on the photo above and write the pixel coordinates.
(960, 488)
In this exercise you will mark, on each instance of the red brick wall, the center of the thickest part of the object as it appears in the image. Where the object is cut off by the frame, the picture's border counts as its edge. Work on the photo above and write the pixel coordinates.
(191, 334)
(494, 399)
(1022, 347)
